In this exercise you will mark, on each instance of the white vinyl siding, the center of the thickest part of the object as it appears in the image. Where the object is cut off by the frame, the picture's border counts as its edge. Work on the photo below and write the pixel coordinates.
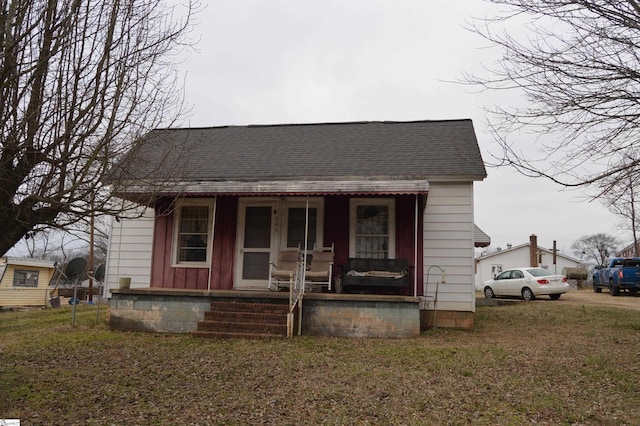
(448, 243)
(129, 251)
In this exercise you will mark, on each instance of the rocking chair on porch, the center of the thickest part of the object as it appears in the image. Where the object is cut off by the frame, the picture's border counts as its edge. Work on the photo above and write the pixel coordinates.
(281, 271)
(321, 269)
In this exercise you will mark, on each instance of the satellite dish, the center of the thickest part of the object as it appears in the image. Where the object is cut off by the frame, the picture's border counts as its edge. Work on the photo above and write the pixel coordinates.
(99, 273)
(75, 267)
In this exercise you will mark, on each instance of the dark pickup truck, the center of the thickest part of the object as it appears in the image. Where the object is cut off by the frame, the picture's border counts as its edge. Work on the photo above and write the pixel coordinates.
(619, 274)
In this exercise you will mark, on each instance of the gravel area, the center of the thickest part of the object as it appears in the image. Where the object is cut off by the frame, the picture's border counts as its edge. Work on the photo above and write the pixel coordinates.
(589, 297)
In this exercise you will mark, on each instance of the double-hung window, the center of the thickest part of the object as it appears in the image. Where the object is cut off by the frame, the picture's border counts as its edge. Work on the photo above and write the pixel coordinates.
(193, 227)
(372, 228)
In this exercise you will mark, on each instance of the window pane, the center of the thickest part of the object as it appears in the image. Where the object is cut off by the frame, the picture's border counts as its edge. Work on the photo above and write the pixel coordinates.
(295, 227)
(25, 279)
(193, 248)
(372, 247)
(372, 232)
(193, 234)
(255, 266)
(257, 229)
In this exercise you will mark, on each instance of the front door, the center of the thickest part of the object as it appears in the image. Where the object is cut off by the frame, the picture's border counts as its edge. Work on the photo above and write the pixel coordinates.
(267, 226)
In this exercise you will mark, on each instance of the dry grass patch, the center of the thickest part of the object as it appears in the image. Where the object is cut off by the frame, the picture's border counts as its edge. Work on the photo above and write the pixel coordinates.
(535, 363)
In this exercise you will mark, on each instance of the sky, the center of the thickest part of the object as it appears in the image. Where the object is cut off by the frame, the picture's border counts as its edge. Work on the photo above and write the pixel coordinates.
(286, 61)
(277, 62)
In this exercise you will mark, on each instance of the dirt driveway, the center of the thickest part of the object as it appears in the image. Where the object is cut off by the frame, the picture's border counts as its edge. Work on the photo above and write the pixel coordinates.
(588, 297)
(578, 297)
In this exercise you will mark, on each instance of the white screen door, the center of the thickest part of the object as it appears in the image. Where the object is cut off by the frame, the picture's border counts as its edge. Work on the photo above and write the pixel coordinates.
(255, 242)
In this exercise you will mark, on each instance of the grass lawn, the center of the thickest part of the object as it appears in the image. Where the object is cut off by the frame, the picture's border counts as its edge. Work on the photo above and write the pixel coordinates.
(541, 362)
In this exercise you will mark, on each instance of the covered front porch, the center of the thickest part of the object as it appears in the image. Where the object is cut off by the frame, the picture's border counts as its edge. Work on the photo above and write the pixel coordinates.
(237, 238)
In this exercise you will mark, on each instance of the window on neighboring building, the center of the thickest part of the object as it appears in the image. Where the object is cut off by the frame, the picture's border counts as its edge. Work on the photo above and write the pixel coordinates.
(372, 233)
(24, 278)
(193, 224)
(496, 270)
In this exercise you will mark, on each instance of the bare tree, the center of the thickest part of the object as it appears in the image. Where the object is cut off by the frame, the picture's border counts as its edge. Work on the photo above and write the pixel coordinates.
(80, 81)
(622, 199)
(597, 247)
(39, 245)
(577, 65)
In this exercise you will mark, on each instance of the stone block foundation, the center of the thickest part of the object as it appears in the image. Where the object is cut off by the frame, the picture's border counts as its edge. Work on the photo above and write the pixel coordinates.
(461, 320)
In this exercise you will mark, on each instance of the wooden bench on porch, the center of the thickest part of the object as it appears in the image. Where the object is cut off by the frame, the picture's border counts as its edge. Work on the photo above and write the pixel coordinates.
(374, 275)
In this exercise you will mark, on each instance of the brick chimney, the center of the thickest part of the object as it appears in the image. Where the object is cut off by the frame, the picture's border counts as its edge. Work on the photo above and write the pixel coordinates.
(533, 250)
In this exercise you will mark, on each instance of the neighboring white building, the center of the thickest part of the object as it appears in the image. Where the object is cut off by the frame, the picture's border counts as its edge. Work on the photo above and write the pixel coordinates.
(528, 254)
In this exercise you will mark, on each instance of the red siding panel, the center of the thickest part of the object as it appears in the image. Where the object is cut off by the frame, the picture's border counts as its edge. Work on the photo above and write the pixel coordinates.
(224, 243)
(161, 257)
(336, 227)
(406, 233)
(162, 273)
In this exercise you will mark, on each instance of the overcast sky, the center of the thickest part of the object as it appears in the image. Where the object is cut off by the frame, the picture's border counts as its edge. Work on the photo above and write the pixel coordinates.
(291, 61)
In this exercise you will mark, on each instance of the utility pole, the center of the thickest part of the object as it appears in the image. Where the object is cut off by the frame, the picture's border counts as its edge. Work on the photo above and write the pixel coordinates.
(91, 232)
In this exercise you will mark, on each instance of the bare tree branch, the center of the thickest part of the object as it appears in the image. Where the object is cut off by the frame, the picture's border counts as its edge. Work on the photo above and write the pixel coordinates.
(577, 65)
(80, 81)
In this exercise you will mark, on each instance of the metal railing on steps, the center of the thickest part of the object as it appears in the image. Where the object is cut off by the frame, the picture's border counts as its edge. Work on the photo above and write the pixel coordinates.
(296, 295)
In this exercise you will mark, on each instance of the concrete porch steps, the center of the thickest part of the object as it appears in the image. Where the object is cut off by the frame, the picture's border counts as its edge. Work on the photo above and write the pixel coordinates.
(232, 320)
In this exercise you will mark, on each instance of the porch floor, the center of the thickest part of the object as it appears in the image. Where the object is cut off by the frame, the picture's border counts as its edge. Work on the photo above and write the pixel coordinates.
(255, 294)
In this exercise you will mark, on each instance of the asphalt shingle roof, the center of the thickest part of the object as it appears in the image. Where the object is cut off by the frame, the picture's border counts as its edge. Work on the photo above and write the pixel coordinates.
(362, 150)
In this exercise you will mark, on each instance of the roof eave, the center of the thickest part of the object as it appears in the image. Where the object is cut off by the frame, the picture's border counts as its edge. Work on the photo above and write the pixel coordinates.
(277, 187)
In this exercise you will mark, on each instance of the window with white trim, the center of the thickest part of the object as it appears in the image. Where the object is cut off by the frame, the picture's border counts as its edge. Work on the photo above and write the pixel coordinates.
(25, 278)
(372, 228)
(192, 236)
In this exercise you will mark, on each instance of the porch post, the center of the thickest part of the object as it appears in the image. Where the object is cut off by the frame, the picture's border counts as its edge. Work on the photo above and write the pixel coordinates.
(213, 229)
(415, 250)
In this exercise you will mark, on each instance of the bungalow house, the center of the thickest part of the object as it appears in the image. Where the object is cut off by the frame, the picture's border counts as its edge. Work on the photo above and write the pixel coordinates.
(527, 254)
(222, 202)
(25, 281)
